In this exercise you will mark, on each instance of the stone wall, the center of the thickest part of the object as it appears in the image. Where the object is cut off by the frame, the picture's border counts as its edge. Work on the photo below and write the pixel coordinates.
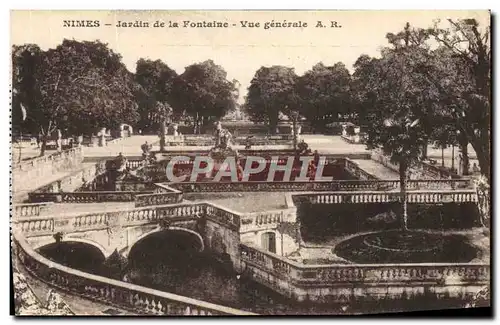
(25, 173)
(223, 243)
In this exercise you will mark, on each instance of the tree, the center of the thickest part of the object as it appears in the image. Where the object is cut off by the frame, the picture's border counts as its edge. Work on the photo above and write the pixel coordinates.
(463, 78)
(25, 60)
(156, 79)
(325, 91)
(77, 87)
(393, 100)
(204, 92)
(271, 91)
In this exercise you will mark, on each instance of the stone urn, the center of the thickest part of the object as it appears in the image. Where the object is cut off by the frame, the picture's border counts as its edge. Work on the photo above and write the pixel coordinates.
(344, 130)
(357, 137)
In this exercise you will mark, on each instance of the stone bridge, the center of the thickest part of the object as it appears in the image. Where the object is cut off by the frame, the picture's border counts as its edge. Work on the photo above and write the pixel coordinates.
(215, 229)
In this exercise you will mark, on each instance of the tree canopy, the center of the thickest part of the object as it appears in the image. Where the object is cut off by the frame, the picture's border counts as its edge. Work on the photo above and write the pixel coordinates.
(325, 93)
(76, 87)
(272, 91)
(204, 92)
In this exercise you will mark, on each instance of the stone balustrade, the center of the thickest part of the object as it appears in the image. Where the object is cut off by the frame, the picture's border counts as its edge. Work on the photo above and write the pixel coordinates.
(357, 171)
(256, 221)
(313, 282)
(86, 197)
(74, 180)
(158, 199)
(336, 185)
(427, 169)
(134, 163)
(124, 295)
(55, 159)
(380, 197)
(45, 166)
(223, 216)
(69, 223)
(29, 209)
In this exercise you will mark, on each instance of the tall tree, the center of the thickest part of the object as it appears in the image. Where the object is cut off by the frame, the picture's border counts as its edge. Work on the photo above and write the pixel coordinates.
(156, 79)
(463, 78)
(204, 92)
(78, 87)
(325, 91)
(271, 91)
(393, 100)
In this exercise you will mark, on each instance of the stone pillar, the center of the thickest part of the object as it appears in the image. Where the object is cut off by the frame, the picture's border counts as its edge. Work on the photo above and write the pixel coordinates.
(102, 137)
(59, 140)
(357, 138)
(344, 130)
(79, 140)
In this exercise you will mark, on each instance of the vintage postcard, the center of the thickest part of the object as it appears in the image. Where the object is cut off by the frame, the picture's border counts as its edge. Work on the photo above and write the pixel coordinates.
(248, 163)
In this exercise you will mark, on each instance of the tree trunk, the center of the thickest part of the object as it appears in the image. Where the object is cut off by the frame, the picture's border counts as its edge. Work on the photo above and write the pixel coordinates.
(43, 146)
(403, 180)
(442, 156)
(162, 136)
(483, 157)
(465, 156)
(294, 125)
(273, 123)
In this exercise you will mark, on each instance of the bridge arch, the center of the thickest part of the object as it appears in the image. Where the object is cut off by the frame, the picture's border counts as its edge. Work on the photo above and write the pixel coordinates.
(157, 230)
(40, 244)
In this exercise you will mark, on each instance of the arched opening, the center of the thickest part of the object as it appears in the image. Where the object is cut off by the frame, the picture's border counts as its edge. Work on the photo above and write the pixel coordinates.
(166, 245)
(269, 241)
(172, 260)
(75, 254)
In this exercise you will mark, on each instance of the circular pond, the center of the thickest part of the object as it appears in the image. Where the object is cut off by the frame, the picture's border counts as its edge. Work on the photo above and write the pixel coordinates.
(405, 247)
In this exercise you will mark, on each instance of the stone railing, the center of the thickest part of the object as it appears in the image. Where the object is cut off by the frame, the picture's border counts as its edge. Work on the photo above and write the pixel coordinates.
(135, 298)
(134, 163)
(162, 195)
(69, 223)
(74, 180)
(150, 214)
(28, 209)
(86, 197)
(260, 152)
(346, 185)
(380, 197)
(57, 160)
(45, 166)
(223, 216)
(255, 221)
(357, 171)
(287, 276)
(424, 168)
(208, 140)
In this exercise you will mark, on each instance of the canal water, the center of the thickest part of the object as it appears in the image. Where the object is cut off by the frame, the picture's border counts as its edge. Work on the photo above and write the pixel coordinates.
(156, 265)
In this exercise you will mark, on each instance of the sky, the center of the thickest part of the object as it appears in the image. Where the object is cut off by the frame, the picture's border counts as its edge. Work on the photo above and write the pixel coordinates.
(240, 51)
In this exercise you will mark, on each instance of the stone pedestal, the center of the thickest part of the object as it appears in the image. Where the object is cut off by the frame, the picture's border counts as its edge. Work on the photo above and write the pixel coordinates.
(102, 137)
(175, 128)
(79, 140)
(357, 137)
(59, 141)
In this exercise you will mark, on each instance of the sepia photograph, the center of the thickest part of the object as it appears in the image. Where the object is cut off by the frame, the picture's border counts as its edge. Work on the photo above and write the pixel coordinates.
(250, 163)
